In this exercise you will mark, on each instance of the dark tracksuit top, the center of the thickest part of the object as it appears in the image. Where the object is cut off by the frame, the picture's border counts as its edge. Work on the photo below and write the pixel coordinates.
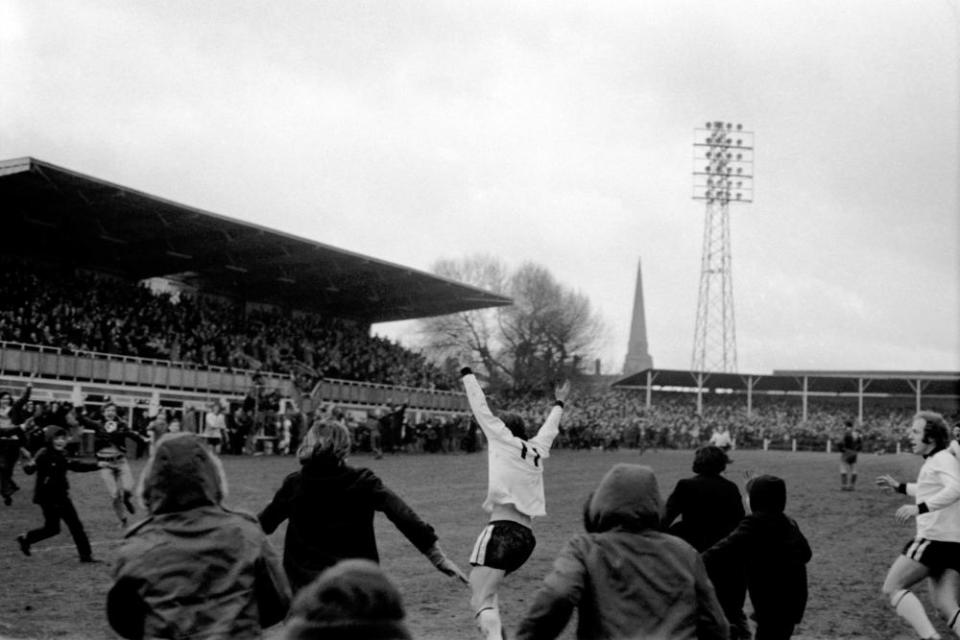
(330, 507)
(51, 467)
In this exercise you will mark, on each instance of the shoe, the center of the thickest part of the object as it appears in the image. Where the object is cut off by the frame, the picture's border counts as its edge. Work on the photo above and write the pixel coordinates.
(24, 544)
(8, 500)
(128, 503)
(90, 560)
(123, 523)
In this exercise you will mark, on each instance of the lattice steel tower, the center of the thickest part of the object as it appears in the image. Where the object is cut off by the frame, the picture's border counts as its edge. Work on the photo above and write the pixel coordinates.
(722, 173)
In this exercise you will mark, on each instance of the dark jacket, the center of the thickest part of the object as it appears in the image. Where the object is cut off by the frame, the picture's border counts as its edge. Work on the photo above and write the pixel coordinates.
(193, 569)
(104, 439)
(330, 507)
(51, 467)
(626, 578)
(710, 506)
(769, 547)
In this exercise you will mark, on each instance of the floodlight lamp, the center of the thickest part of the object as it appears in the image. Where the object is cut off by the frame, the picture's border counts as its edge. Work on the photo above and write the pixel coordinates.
(709, 125)
(739, 169)
(708, 154)
(729, 126)
(738, 196)
(739, 127)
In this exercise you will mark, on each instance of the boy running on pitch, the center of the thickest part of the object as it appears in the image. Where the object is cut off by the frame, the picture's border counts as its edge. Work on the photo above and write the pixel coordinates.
(514, 497)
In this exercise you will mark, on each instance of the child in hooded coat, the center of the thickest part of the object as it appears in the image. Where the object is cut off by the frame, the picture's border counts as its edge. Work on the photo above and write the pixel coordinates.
(193, 568)
(625, 577)
(772, 552)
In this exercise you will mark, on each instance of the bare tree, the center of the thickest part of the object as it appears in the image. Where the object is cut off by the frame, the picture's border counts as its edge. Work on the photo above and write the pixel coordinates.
(528, 346)
(472, 334)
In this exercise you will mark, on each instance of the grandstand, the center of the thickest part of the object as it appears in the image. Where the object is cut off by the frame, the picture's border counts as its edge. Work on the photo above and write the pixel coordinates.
(75, 311)
(61, 225)
(944, 387)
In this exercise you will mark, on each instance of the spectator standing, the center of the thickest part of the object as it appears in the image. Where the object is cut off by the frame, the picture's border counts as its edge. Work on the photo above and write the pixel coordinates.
(376, 436)
(215, 426)
(769, 547)
(852, 445)
(158, 427)
(193, 568)
(190, 420)
(721, 438)
(710, 507)
(624, 576)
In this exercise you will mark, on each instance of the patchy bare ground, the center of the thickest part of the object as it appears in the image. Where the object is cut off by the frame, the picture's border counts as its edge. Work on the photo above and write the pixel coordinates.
(853, 535)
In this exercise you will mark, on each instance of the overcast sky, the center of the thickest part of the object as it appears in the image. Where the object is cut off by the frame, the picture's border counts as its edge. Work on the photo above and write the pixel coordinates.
(559, 133)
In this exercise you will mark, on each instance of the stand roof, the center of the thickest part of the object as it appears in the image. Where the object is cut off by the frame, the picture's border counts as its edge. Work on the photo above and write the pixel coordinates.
(57, 215)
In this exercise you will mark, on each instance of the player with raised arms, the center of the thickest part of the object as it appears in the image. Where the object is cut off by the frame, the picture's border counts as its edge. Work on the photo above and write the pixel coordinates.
(514, 497)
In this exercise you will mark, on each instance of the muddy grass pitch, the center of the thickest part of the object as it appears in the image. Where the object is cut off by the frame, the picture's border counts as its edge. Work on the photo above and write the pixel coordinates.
(853, 535)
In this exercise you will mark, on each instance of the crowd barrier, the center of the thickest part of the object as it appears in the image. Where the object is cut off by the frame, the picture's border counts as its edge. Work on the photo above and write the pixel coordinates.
(53, 363)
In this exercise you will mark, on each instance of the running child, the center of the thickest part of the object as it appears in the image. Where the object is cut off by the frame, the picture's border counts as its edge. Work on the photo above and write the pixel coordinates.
(110, 446)
(514, 497)
(52, 493)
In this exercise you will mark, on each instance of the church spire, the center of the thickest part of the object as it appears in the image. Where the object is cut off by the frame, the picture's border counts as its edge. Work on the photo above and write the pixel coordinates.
(638, 356)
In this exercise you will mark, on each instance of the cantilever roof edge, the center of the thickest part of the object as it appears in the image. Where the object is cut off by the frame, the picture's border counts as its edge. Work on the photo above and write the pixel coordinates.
(426, 293)
(18, 165)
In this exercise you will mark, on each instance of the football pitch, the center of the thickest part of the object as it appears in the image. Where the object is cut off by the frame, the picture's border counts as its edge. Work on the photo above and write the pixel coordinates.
(853, 535)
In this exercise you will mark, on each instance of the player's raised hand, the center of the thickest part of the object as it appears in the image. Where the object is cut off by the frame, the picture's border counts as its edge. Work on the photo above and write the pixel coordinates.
(562, 391)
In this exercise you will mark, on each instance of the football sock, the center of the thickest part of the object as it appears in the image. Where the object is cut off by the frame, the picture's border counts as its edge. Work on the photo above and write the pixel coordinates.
(909, 608)
(488, 620)
(853, 479)
(843, 479)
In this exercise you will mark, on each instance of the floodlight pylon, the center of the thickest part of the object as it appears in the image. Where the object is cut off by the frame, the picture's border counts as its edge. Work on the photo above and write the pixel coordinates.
(723, 173)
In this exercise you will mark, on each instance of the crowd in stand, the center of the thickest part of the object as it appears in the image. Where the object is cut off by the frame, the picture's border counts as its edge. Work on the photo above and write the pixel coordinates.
(84, 312)
(620, 418)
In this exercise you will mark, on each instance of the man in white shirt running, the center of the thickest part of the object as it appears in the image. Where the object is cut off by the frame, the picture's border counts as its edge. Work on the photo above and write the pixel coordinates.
(935, 552)
(514, 497)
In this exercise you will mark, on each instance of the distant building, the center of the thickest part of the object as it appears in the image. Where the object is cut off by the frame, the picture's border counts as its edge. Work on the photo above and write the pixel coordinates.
(638, 354)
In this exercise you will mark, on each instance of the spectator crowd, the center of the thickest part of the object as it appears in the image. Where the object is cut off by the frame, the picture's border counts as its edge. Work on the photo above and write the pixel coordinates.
(83, 312)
